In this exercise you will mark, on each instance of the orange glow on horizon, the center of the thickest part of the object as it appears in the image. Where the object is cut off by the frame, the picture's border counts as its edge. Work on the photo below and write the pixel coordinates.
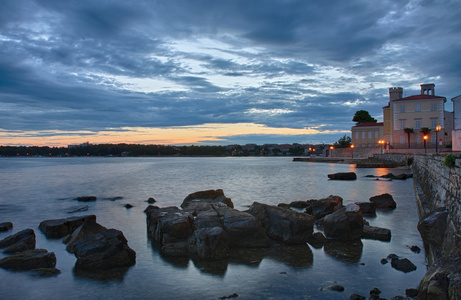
(178, 135)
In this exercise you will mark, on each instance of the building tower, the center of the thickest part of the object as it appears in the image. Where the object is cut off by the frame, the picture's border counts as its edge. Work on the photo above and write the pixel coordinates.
(428, 89)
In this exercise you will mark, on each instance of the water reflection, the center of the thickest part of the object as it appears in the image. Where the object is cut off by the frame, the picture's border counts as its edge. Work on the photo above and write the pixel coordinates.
(116, 274)
(348, 252)
(295, 256)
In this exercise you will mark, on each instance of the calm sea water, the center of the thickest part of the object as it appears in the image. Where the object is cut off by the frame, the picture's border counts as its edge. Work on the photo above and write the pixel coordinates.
(36, 189)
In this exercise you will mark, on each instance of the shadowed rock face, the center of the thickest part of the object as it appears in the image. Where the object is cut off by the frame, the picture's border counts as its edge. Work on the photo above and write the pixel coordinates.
(432, 227)
(442, 280)
(384, 201)
(343, 176)
(345, 224)
(322, 207)
(21, 241)
(103, 251)
(283, 224)
(209, 196)
(29, 260)
(58, 228)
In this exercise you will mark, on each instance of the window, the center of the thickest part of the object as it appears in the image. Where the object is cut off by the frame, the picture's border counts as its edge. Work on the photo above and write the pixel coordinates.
(369, 134)
(357, 135)
(433, 106)
(417, 107)
(363, 134)
(402, 108)
(418, 124)
(402, 124)
(433, 123)
(416, 138)
(376, 134)
(402, 139)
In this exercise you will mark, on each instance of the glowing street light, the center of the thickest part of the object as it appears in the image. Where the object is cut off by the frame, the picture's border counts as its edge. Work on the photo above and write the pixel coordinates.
(381, 142)
(352, 147)
(425, 138)
(437, 129)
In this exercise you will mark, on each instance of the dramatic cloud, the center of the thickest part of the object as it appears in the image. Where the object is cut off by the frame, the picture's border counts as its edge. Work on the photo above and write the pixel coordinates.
(117, 71)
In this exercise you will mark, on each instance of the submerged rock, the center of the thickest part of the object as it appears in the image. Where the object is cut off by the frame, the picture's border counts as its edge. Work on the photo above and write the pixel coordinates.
(343, 176)
(5, 226)
(86, 198)
(20, 241)
(283, 224)
(29, 260)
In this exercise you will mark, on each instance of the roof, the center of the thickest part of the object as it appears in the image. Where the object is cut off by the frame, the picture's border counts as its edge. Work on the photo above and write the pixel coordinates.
(420, 97)
(377, 124)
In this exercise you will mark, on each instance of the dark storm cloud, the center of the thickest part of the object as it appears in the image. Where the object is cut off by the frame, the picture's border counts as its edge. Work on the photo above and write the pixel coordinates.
(94, 65)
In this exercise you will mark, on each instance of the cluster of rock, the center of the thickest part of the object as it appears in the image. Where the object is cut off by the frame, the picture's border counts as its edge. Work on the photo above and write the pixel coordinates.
(95, 247)
(208, 226)
(24, 255)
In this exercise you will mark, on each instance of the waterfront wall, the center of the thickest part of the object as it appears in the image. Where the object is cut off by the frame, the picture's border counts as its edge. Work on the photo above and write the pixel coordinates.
(439, 186)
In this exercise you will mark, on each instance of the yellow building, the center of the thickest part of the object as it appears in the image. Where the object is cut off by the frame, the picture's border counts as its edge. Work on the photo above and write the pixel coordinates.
(416, 112)
(367, 135)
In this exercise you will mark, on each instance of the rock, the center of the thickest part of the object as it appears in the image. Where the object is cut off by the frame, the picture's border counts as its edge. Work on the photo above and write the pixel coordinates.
(399, 298)
(114, 198)
(375, 291)
(28, 260)
(103, 251)
(415, 249)
(384, 261)
(376, 233)
(337, 288)
(283, 224)
(5, 226)
(343, 176)
(209, 196)
(151, 200)
(322, 207)
(299, 204)
(344, 224)
(86, 198)
(432, 227)
(442, 280)
(209, 243)
(402, 264)
(317, 240)
(88, 227)
(368, 208)
(356, 297)
(77, 209)
(128, 205)
(412, 293)
(18, 242)
(58, 228)
(398, 177)
(384, 201)
(234, 295)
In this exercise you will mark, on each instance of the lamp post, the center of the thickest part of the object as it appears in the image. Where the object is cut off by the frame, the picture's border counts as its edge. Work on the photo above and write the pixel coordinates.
(437, 129)
(381, 142)
(352, 148)
(331, 151)
(425, 138)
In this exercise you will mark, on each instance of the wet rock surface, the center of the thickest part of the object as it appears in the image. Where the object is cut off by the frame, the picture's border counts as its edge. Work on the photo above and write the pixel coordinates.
(376, 233)
(29, 260)
(5, 226)
(20, 241)
(345, 224)
(343, 176)
(58, 228)
(384, 201)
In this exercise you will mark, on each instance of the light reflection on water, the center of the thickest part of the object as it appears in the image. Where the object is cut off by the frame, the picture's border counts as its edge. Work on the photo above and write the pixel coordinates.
(36, 189)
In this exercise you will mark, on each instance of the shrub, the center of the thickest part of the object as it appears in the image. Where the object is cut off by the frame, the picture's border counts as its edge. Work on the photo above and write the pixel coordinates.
(449, 161)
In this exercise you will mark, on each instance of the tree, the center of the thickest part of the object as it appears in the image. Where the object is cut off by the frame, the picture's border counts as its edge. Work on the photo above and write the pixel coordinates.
(363, 116)
(408, 131)
(425, 131)
(343, 142)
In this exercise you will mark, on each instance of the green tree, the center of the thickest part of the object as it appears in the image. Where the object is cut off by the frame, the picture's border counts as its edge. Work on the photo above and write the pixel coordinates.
(344, 142)
(409, 131)
(363, 116)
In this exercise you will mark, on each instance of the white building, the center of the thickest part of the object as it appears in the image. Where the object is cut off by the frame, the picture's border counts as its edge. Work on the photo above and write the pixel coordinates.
(456, 135)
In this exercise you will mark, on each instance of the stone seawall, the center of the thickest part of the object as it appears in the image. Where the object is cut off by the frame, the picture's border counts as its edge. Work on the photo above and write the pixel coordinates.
(439, 186)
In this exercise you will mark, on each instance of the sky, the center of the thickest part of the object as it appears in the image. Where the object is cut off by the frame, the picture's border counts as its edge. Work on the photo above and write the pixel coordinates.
(215, 72)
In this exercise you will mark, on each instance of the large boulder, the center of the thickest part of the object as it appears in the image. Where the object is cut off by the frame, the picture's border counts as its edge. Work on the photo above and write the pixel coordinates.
(209, 196)
(209, 243)
(18, 242)
(384, 201)
(283, 224)
(367, 208)
(29, 260)
(103, 251)
(343, 176)
(88, 227)
(402, 264)
(376, 233)
(322, 207)
(58, 228)
(345, 224)
(432, 227)
(243, 229)
(442, 280)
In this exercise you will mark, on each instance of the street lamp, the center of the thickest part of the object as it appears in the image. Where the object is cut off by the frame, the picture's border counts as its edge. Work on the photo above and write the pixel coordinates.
(331, 151)
(352, 147)
(437, 129)
(425, 138)
(381, 142)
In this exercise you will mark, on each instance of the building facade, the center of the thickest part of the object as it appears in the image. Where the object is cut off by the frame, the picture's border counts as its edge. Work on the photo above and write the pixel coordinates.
(367, 135)
(416, 112)
(456, 134)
